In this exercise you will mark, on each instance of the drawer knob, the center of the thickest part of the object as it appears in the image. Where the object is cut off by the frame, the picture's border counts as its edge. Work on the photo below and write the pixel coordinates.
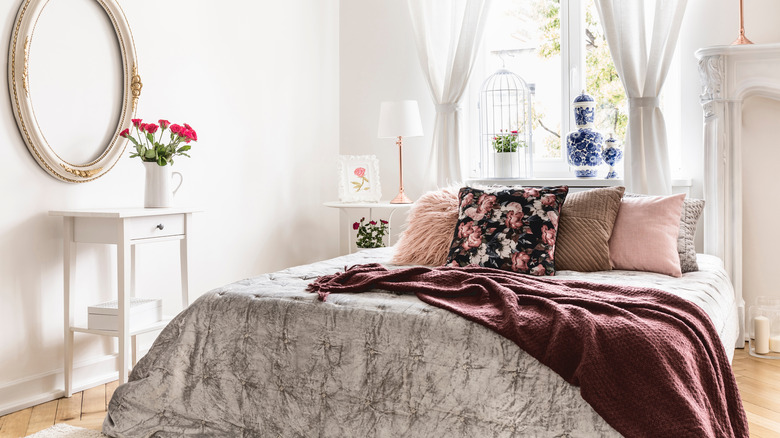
(160, 226)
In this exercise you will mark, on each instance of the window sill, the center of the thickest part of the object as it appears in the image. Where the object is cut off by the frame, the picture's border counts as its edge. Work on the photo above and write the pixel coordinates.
(569, 181)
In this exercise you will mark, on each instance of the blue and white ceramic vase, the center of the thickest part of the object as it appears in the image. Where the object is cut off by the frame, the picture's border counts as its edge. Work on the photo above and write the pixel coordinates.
(583, 146)
(612, 154)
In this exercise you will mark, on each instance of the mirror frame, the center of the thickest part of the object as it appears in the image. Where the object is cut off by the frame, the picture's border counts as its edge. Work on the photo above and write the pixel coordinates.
(19, 87)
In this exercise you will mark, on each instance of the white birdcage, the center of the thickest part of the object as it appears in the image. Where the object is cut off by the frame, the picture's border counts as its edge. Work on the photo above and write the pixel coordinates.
(505, 130)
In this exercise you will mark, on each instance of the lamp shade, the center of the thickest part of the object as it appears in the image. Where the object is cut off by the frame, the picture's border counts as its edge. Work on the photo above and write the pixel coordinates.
(399, 119)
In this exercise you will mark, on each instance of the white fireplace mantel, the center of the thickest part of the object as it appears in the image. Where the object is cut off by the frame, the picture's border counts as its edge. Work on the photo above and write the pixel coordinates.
(729, 75)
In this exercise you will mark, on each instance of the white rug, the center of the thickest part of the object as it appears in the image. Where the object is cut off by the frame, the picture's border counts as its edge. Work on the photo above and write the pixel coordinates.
(63, 430)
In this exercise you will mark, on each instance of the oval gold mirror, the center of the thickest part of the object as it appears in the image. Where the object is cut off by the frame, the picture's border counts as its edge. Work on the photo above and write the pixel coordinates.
(20, 89)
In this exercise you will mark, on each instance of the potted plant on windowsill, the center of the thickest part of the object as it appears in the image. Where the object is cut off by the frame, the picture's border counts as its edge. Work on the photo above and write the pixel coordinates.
(508, 161)
(157, 153)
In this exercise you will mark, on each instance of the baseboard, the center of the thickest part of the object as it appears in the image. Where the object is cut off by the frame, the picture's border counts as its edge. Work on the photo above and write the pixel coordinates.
(40, 388)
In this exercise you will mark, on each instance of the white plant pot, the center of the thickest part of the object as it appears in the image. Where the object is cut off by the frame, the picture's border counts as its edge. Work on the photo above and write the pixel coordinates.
(157, 191)
(510, 164)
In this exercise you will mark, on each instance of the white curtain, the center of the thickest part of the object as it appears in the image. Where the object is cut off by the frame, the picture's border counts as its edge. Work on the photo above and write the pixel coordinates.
(642, 36)
(447, 34)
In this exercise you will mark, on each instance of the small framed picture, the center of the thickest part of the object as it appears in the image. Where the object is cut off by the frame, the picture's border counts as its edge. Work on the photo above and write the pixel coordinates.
(359, 178)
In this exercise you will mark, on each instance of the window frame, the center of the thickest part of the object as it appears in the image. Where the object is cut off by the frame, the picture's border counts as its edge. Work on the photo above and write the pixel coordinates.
(573, 66)
(572, 18)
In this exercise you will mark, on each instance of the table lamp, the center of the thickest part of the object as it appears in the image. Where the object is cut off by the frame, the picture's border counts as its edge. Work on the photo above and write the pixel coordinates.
(742, 39)
(400, 119)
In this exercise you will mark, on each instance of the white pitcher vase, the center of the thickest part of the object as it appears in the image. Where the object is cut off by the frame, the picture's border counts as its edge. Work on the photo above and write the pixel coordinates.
(158, 193)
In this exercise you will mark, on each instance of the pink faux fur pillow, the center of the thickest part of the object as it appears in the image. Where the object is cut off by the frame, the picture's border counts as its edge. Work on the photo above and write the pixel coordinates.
(426, 241)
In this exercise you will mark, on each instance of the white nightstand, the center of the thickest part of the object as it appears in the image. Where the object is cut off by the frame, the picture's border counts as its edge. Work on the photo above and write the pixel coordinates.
(370, 206)
(125, 228)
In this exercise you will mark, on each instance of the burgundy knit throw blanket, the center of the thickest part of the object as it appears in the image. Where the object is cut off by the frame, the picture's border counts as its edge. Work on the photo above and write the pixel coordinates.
(650, 363)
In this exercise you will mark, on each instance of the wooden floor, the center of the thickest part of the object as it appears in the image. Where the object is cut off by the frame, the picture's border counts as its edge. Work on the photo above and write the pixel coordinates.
(759, 386)
(84, 409)
(758, 380)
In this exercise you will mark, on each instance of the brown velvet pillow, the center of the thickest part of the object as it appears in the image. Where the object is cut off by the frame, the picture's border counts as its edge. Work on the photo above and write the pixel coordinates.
(585, 226)
(426, 240)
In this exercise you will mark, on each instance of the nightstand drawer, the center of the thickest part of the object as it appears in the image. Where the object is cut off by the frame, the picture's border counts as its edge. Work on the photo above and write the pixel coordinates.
(155, 226)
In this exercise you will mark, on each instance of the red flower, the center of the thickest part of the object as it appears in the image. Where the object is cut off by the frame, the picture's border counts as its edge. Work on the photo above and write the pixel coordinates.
(372, 222)
(147, 147)
(360, 172)
(355, 226)
(514, 132)
(190, 134)
(383, 221)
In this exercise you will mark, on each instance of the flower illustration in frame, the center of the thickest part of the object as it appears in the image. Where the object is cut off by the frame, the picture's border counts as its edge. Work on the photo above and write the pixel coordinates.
(362, 182)
(359, 178)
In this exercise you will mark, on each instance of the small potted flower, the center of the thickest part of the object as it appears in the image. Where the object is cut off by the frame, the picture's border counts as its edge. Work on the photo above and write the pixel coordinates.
(157, 153)
(508, 161)
(371, 234)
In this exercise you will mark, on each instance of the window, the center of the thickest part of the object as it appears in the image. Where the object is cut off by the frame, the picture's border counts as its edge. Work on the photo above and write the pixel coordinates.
(558, 48)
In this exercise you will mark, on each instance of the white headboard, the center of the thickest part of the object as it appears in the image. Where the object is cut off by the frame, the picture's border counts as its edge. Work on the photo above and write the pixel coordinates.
(729, 75)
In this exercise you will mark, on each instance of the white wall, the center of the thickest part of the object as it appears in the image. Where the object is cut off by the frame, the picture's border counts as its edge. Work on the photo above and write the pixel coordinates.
(378, 63)
(260, 83)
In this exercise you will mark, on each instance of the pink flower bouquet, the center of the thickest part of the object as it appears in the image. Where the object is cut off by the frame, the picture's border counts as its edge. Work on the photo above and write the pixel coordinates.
(155, 150)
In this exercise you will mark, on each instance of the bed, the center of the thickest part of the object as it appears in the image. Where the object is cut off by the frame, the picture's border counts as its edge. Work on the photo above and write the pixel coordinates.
(264, 357)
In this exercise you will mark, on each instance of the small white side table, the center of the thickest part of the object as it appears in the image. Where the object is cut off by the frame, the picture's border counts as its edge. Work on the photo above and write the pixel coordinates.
(125, 228)
(370, 206)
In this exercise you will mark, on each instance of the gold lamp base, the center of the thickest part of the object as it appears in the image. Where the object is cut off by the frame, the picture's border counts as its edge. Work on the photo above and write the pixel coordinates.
(741, 40)
(401, 198)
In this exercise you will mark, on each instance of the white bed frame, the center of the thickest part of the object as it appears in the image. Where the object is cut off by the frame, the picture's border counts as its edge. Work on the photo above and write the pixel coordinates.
(729, 75)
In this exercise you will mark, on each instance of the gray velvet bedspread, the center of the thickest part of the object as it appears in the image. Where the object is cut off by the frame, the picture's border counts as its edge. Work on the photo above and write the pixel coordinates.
(263, 357)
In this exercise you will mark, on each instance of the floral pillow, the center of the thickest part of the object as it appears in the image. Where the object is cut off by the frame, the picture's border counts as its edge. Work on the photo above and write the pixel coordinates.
(509, 229)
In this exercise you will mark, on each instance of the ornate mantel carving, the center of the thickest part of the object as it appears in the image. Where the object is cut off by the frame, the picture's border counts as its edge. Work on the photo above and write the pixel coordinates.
(711, 75)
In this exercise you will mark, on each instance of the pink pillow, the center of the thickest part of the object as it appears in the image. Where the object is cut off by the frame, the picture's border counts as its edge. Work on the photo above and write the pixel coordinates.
(426, 240)
(644, 237)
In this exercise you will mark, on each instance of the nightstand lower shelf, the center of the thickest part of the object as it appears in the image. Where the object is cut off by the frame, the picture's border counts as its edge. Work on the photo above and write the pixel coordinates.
(159, 325)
